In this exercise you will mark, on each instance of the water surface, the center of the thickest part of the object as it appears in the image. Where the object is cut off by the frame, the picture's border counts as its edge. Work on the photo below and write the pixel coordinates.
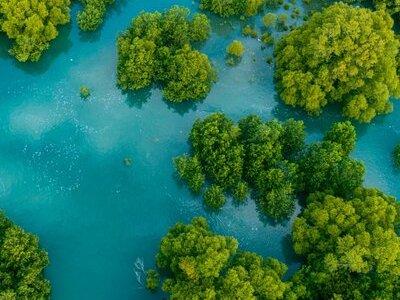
(62, 175)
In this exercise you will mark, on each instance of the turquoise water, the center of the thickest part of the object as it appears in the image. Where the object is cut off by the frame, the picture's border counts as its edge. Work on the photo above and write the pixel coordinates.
(62, 175)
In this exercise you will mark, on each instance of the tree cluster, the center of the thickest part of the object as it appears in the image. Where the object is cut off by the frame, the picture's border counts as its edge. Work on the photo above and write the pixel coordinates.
(229, 8)
(22, 262)
(344, 55)
(271, 158)
(350, 247)
(157, 48)
(32, 24)
(347, 235)
(200, 264)
(326, 166)
(92, 15)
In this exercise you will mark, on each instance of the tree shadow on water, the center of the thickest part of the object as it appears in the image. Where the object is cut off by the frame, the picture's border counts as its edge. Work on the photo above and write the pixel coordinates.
(269, 221)
(184, 107)
(314, 124)
(289, 254)
(138, 98)
(5, 44)
(118, 6)
(90, 36)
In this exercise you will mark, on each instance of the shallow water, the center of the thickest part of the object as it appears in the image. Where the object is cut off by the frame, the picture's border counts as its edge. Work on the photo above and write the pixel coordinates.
(62, 175)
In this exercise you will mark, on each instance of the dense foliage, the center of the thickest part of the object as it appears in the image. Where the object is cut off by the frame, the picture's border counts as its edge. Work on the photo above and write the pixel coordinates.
(228, 8)
(157, 48)
(391, 6)
(214, 197)
(152, 280)
(326, 166)
(92, 16)
(343, 55)
(268, 167)
(32, 24)
(203, 265)
(271, 158)
(347, 235)
(215, 142)
(189, 169)
(236, 49)
(21, 264)
(351, 248)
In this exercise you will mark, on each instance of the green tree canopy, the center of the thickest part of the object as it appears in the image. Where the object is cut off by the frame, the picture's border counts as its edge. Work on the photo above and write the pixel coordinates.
(92, 15)
(344, 134)
(269, 19)
(157, 48)
(351, 247)
(252, 154)
(215, 140)
(271, 159)
(324, 167)
(189, 169)
(32, 25)
(391, 6)
(236, 49)
(152, 280)
(268, 147)
(203, 265)
(189, 75)
(21, 264)
(343, 55)
(214, 197)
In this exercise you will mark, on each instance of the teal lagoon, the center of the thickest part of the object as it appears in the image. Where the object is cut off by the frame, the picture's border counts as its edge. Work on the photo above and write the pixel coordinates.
(62, 174)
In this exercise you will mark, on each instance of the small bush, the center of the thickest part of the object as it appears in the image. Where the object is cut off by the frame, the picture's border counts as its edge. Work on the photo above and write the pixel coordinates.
(214, 197)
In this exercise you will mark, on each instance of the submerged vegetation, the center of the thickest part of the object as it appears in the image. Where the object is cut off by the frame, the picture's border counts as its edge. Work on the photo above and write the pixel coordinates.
(157, 48)
(249, 31)
(84, 92)
(271, 158)
(21, 264)
(229, 8)
(92, 15)
(345, 55)
(32, 25)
